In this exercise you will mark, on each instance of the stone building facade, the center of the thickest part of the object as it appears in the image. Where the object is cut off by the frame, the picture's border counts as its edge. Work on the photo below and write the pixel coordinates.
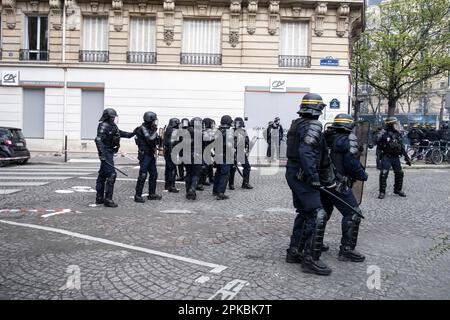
(178, 58)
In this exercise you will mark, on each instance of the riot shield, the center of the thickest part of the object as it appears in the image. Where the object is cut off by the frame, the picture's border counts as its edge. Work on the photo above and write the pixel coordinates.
(361, 130)
(161, 133)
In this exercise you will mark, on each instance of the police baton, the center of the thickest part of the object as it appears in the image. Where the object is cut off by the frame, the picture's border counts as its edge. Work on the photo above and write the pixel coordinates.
(323, 189)
(109, 164)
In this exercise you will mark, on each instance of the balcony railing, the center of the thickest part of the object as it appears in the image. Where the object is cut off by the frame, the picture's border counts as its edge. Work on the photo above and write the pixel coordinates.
(33, 55)
(201, 58)
(141, 57)
(294, 61)
(93, 56)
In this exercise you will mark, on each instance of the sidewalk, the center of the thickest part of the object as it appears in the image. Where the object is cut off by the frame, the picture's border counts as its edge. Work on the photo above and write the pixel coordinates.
(130, 159)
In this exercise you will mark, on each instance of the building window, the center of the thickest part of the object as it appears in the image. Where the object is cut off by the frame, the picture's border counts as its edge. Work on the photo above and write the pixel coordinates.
(35, 39)
(95, 40)
(294, 45)
(142, 40)
(201, 42)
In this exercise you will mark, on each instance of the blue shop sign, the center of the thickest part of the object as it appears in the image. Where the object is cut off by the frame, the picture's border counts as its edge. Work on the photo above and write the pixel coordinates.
(329, 61)
(335, 104)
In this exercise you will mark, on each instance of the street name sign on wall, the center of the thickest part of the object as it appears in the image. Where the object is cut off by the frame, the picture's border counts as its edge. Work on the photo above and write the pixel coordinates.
(10, 78)
(335, 104)
(277, 85)
(329, 61)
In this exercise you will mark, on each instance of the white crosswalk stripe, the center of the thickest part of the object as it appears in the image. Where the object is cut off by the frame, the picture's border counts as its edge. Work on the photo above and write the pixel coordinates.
(14, 178)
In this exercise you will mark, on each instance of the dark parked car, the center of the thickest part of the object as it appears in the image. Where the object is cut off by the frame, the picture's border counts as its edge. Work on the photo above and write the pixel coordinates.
(13, 147)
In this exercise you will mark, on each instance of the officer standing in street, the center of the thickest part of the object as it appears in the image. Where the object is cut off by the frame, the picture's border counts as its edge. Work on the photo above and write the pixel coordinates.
(194, 167)
(181, 168)
(306, 153)
(209, 133)
(147, 140)
(242, 146)
(343, 147)
(415, 135)
(108, 143)
(224, 158)
(391, 148)
(170, 141)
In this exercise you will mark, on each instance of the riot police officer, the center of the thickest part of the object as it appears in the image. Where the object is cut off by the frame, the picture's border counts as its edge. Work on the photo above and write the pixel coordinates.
(444, 132)
(391, 148)
(147, 140)
(170, 141)
(108, 143)
(274, 134)
(415, 135)
(242, 146)
(181, 168)
(224, 157)
(306, 153)
(194, 167)
(209, 131)
(343, 147)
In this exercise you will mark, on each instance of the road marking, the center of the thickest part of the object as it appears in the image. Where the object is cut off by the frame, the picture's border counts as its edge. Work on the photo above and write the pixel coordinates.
(8, 191)
(230, 290)
(216, 268)
(202, 279)
(286, 210)
(55, 213)
(123, 179)
(64, 191)
(84, 160)
(32, 178)
(239, 216)
(21, 184)
(65, 173)
(176, 211)
(48, 169)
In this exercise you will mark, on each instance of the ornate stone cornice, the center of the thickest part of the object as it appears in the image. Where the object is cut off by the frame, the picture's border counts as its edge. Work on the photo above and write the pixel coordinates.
(34, 5)
(274, 12)
(235, 14)
(72, 12)
(296, 10)
(252, 9)
(117, 6)
(55, 14)
(169, 21)
(321, 11)
(10, 8)
(342, 15)
(142, 6)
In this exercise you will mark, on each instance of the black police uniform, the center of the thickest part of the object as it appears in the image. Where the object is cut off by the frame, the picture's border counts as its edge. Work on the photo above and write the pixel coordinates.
(108, 143)
(277, 129)
(169, 142)
(147, 140)
(224, 158)
(306, 153)
(391, 148)
(194, 167)
(242, 147)
(181, 168)
(343, 148)
(415, 135)
(209, 131)
(444, 132)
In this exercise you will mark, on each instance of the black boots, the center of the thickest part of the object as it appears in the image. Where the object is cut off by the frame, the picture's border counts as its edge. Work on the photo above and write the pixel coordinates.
(139, 187)
(246, 185)
(293, 255)
(154, 196)
(99, 200)
(110, 203)
(315, 266)
(346, 253)
(398, 183)
(191, 195)
(383, 183)
(222, 196)
(173, 190)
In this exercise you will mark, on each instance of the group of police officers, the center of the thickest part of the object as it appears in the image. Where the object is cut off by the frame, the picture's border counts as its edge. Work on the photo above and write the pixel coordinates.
(321, 169)
(198, 168)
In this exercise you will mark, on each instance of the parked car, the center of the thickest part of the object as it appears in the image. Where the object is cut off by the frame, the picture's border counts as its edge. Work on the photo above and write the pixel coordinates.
(13, 147)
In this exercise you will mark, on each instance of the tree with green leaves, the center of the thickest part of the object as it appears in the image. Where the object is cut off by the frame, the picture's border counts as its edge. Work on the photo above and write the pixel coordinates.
(406, 42)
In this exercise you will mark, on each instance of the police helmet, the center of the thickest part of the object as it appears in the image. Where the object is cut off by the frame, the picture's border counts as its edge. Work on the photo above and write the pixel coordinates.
(226, 121)
(108, 113)
(174, 122)
(343, 121)
(184, 123)
(194, 121)
(208, 123)
(391, 120)
(150, 117)
(311, 104)
(239, 123)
